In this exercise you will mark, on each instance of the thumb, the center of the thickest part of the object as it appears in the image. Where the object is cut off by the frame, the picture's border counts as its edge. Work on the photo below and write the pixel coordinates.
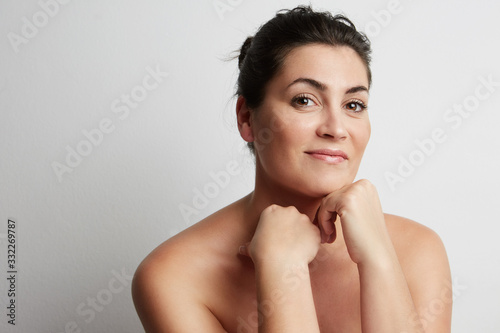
(244, 249)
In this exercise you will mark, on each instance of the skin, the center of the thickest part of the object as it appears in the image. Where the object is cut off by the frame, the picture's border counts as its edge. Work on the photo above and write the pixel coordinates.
(308, 250)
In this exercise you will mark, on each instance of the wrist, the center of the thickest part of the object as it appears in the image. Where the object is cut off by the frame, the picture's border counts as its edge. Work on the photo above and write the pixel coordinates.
(281, 268)
(381, 261)
(278, 259)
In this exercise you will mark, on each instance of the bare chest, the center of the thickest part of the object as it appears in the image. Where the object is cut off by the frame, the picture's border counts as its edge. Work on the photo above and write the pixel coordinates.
(335, 293)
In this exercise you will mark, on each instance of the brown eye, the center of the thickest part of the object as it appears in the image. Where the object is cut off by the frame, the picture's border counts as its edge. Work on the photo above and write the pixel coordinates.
(355, 106)
(303, 101)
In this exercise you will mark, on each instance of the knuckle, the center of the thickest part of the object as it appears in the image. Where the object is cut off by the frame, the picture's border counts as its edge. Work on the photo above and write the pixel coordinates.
(305, 218)
(350, 197)
(271, 208)
(366, 183)
(292, 211)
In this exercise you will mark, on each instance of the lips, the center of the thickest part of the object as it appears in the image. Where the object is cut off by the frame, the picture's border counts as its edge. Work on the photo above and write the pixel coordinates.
(333, 156)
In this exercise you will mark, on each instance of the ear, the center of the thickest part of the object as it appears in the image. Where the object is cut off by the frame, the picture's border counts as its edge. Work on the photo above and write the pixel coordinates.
(244, 118)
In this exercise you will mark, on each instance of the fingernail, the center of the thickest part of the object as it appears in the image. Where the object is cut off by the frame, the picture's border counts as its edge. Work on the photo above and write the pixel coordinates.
(242, 249)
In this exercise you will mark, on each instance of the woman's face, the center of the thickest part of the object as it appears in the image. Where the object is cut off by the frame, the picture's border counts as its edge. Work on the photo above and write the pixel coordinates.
(311, 131)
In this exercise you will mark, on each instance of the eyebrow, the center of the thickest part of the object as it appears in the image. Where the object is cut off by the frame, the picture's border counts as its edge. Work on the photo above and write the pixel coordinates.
(356, 89)
(321, 86)
(311, 82)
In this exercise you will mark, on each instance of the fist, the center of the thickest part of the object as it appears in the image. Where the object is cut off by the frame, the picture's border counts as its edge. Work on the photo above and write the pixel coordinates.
(283, 235)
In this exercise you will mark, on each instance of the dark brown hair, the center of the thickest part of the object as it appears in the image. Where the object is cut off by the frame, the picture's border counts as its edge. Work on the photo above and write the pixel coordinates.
(262, 56)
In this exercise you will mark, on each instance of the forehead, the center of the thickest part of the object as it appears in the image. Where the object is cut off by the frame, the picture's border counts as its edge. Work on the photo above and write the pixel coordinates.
(335, 66)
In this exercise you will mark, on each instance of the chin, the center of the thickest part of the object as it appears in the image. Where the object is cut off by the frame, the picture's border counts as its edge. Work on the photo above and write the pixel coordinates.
(333, 182)
(319, 190)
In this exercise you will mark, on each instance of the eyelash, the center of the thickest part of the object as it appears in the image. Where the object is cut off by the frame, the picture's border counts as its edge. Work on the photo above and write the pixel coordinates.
(358, 102)
(362, 105)
(296, 99)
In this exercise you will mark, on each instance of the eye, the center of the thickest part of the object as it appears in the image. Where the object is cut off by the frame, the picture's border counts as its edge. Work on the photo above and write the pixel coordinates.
(303, 101)
(356, 106)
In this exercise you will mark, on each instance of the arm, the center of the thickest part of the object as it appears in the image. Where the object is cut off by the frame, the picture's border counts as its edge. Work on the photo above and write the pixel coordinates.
(386, 302)
(390, 296)
(427, 273)
(288, 290)
(416, 293)
(283, 245)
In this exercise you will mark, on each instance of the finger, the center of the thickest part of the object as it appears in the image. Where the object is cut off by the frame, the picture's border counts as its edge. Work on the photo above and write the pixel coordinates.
(315, 221)
(326, 222)
(332, 238)
(324, 236)
(333, 235)
(327, 216)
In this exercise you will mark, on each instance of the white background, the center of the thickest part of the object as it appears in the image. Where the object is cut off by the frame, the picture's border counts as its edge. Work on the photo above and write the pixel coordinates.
(74, 234)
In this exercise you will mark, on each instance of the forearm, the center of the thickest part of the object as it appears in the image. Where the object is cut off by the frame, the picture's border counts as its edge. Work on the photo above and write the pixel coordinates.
(285, 299)
(386, 302)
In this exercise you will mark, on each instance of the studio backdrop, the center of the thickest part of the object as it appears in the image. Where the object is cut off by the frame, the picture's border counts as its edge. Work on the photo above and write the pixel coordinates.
(118, 130)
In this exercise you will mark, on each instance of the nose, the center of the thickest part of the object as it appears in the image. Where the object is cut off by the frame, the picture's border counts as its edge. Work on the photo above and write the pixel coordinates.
(332, 125)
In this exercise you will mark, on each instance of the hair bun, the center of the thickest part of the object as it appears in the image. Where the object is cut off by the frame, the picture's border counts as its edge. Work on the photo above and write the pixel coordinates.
(243, 51)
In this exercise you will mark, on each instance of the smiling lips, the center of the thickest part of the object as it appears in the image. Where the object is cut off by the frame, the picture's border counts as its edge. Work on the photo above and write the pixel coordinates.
(332, 156)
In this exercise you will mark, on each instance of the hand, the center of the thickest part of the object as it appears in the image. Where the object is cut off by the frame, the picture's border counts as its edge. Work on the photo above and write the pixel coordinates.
(283, 235)
(363, 225)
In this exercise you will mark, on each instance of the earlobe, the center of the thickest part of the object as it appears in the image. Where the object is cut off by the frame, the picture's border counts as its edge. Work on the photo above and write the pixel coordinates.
(244, 118)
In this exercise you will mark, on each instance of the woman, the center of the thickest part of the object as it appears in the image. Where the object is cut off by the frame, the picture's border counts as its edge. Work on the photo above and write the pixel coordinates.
(308, 250)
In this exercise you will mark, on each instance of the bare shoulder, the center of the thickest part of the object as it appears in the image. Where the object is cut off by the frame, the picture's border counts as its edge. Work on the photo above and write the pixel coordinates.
(159, 288)
(425, 265)
(192, 247)
(411, 238)
(404, 227)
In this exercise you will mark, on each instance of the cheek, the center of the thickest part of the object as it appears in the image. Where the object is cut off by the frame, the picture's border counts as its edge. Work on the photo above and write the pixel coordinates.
(361, 136)
(292, 133)
(275, 129)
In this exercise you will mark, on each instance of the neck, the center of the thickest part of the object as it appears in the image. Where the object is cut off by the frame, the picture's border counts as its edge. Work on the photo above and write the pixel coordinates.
(267, 192)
